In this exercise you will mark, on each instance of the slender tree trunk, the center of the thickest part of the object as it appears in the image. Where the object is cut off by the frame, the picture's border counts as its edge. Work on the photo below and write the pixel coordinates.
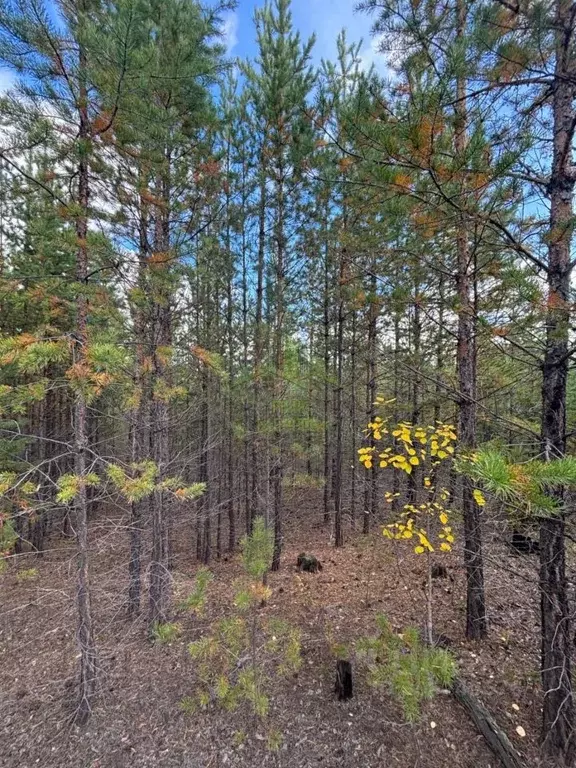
(228, 466)
(370, 500)
(475, 602)
(413, 477)
(354, 425)
(326, 330)
(338, 533)
(204, 523)
(278, 465)
(140, 437)
(85, 634)
(439, 353)
(159, 592)
(558, 708)
(396, 475)
(246, 406)
(258, 354)
(310, 402)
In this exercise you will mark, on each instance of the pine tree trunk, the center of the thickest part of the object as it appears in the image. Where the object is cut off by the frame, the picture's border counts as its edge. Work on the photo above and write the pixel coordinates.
(85, 634)
(339, 416)
(310, 402)
(258, 353)
(558, 708)
(370, 492)
(246, 395)
(439, 352)
(159, 592)
(416, 386)
(326, 331)
(140, 438)
(204, 504)
(466, 358)
(397, 385)
(278, 465)
(354, 425)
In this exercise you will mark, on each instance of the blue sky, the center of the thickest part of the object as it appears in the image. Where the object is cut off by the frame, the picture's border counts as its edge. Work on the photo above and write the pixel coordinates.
(324, 17)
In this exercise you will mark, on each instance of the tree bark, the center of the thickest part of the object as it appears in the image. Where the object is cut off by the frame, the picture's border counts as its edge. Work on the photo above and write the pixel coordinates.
(159, 592)
(258, 354)
(278, 465)
(354, 425)
(370, 491)
(558, 706)
(476, 627)
(326, 333)
(85, 633)
(140, 447)
(338, 533)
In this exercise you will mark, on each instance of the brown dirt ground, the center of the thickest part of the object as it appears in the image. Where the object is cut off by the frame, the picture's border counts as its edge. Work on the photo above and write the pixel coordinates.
(137, 720)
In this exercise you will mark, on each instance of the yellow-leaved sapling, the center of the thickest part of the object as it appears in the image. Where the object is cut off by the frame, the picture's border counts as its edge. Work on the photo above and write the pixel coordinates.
(425, 521)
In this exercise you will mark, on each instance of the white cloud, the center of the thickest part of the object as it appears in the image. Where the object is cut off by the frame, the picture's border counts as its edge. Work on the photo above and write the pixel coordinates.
(371, 55)
(230, 31)
(327, 18)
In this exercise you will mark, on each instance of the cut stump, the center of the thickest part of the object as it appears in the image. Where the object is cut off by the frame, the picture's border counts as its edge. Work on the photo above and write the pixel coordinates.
(343, 685)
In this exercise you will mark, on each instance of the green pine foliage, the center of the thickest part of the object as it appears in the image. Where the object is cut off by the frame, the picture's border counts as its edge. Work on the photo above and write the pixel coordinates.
(195, 602)
(257, 550)
(237, 663)
(527, 486)
(411, 670)
(166, 633)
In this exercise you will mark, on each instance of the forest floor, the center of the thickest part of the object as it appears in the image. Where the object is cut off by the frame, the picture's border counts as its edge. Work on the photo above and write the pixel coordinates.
(137, 720)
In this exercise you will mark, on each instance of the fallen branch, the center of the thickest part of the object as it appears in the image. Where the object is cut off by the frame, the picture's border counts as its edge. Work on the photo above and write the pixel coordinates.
(497, 740)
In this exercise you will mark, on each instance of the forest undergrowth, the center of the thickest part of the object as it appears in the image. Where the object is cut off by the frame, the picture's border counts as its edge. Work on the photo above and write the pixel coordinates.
(139, 718)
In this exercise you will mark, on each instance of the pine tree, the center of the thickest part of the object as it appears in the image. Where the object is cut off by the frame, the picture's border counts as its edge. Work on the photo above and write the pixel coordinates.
(281, 82)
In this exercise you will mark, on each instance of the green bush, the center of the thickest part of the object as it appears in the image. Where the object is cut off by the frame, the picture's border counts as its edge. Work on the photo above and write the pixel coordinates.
(410, 669)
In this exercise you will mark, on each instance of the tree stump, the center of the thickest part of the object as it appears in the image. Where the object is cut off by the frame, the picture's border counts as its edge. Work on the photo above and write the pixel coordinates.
(343, 685)
(308, 563)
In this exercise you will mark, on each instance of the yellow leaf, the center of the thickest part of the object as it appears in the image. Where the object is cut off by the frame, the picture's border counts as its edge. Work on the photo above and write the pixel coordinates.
(479, 497)
(419, 550)
(443, 518)
(414, 460)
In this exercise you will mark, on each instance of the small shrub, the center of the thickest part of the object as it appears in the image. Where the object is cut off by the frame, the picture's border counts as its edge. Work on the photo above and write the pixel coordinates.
(196, 600)
(239, 738)
(187, 705)
(27, 574)
(410, 669)
(237, 661)
(166, 633)
(274, 740)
